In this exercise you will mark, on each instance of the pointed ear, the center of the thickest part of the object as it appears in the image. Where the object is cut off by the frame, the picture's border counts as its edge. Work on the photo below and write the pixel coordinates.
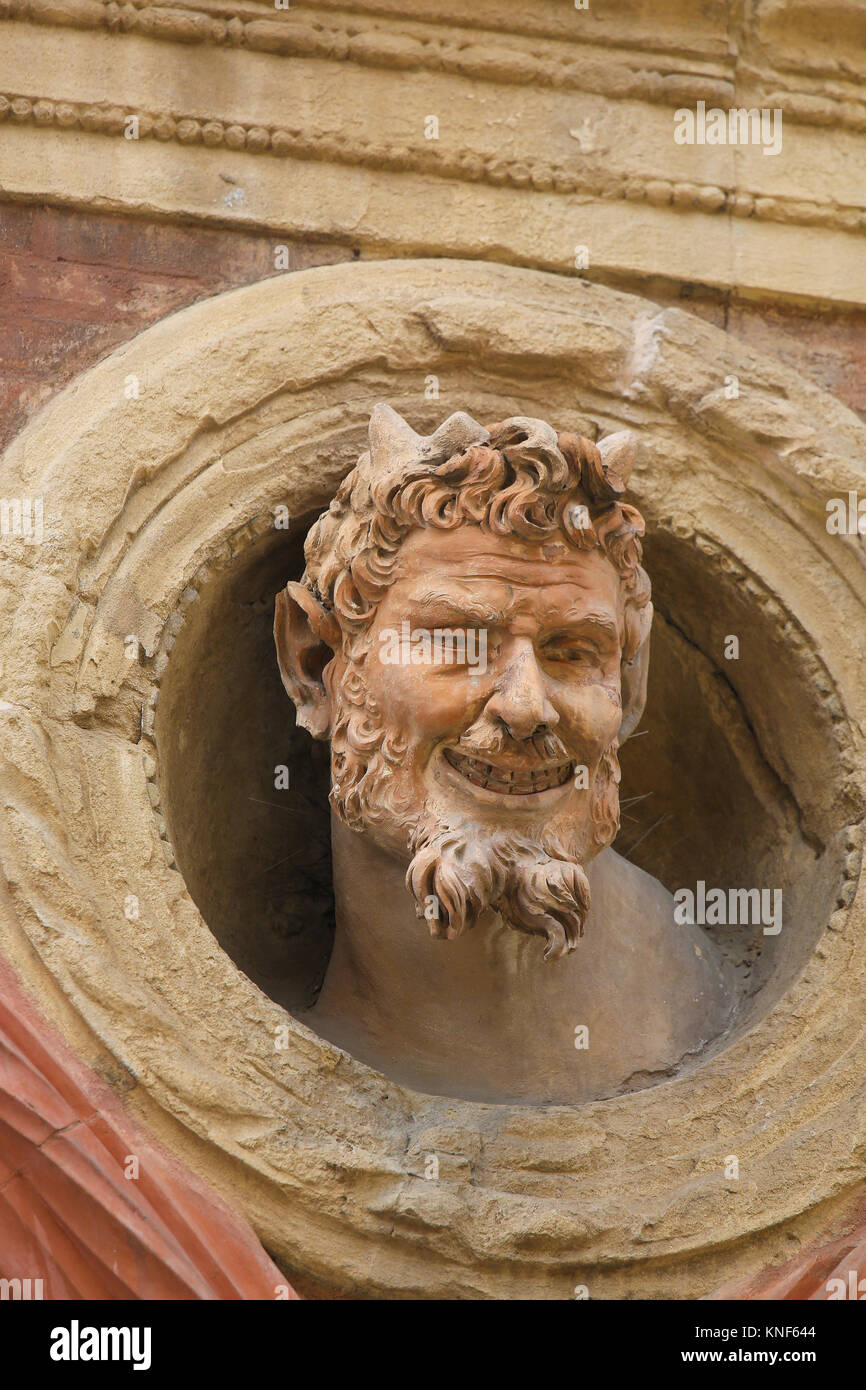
(618, 453)
(307, 636)
(634, 673)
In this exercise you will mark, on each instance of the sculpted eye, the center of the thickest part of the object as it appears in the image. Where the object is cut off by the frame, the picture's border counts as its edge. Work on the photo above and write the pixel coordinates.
(572, 650)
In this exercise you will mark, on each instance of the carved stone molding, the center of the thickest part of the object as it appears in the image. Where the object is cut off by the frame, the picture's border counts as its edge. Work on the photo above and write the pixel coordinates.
(257, 399)
(556, 131)
(497, 171)
(618, 55)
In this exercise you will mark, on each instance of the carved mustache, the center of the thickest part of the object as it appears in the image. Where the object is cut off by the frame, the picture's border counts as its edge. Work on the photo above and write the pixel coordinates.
(484, 738)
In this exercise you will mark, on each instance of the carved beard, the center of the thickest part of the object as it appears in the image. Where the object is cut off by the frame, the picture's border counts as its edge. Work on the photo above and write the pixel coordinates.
(458, 872)
(460, 868)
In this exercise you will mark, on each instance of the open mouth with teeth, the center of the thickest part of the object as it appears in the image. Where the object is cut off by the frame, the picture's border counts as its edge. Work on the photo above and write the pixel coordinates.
(510, 781)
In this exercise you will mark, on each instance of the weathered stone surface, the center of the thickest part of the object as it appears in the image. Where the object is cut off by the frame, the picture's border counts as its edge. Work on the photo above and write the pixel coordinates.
(552, 135)
(309, 127)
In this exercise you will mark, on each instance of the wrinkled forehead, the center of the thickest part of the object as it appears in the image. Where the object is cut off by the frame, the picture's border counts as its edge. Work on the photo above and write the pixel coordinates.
(468, 559)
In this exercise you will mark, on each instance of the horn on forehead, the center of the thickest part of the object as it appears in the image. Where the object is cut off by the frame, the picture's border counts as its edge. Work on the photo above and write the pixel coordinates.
(394, 445)
(390, 436)
(618, 453)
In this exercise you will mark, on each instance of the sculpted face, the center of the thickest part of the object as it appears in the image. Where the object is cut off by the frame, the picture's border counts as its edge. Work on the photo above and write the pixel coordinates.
(490, 770)
(501, 743)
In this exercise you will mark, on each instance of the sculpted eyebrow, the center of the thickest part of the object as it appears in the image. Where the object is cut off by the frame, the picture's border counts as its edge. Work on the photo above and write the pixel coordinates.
(455, 608)
(596, 623)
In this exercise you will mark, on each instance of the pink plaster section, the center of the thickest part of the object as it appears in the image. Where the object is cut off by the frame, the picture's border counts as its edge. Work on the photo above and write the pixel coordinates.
(68, 1214)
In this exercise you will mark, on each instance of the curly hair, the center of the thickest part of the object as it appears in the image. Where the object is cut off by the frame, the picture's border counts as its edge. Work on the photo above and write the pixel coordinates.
(524, 480)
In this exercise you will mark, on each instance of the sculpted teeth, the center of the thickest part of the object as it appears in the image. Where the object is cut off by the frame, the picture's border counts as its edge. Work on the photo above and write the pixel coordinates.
(519, 782)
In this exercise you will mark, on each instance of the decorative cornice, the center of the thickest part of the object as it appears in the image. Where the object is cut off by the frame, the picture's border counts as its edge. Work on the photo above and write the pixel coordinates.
(585, 64)
(591, 180)
(407, 43)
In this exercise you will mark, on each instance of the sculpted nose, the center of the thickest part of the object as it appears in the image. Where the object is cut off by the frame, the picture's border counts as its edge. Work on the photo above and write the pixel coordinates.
(520, 698)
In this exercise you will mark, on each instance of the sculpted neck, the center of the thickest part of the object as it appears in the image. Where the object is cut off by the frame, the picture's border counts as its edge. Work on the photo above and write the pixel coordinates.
(384, 954)
(484, 1016)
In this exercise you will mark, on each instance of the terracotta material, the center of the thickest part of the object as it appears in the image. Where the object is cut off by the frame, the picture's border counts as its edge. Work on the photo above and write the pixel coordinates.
(68, 1214)
(485, 776)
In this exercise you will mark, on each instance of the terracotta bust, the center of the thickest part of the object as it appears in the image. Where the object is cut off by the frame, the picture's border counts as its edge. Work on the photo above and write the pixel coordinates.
(471, 633)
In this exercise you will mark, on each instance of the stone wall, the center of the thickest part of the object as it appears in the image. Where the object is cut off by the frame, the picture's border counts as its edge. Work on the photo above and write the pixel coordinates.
(76, 284)
(257, 126)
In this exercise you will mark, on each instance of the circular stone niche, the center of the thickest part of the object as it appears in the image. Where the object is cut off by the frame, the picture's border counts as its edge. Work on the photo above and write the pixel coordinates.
(156, 777)
(705, 792)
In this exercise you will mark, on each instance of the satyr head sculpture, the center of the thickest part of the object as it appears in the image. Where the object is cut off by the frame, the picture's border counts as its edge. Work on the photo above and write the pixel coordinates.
(471, 633)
